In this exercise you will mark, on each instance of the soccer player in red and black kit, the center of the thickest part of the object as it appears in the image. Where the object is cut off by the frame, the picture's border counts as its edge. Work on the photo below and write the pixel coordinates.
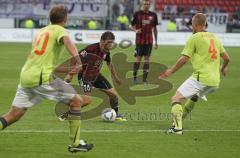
(92, 57)
(144, 22)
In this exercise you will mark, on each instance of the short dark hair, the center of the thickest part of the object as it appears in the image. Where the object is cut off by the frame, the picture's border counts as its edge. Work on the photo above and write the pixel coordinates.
(57, 14)
(107, 36)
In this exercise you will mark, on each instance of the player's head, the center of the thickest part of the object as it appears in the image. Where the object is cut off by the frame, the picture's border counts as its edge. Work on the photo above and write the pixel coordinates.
(146, 5)
(199, 22)
(58, 15)
(107, 40)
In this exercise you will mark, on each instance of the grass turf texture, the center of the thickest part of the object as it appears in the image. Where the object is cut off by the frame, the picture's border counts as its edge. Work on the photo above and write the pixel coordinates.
(212, 131)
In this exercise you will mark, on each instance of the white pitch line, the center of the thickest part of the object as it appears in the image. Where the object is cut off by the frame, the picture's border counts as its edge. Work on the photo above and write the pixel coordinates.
(113, 131)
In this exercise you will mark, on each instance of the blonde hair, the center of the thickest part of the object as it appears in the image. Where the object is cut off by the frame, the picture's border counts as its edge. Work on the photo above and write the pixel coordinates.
(199, 19)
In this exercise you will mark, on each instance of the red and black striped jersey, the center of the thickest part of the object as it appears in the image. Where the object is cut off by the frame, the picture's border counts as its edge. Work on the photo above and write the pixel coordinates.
(92, 57)
(145, 21)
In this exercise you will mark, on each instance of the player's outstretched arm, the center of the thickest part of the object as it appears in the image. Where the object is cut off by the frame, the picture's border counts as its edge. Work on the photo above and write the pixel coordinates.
(71, 49)
(180, 62)
(76, 61)
(113, 73)
(226, 60)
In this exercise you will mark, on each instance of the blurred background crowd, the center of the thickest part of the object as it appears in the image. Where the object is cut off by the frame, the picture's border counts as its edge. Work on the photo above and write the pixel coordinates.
(174, 15)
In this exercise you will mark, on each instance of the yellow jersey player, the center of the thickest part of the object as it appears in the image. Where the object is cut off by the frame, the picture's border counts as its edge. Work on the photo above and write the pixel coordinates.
(204, 50)
(37, 82)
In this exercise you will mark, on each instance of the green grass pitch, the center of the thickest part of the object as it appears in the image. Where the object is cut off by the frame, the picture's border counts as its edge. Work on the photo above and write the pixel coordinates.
(212, 131)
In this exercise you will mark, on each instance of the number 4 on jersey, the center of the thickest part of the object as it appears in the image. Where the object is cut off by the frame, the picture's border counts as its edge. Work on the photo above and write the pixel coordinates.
(212, 50)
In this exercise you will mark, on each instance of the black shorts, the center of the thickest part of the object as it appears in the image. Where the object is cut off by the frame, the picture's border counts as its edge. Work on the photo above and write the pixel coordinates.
(143, 50)
(101, 82)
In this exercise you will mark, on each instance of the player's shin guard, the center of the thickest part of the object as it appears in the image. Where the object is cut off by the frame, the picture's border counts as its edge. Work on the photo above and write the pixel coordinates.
(135, 69)
(74, 127)
(3, 123)
(145, 71)
(177, 113)
(114, 104)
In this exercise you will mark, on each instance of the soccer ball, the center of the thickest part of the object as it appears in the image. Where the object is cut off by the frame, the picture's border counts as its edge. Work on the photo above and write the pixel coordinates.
(109, 115)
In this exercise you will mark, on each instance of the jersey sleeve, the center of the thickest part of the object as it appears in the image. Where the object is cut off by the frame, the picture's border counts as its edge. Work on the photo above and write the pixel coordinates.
(108, 58)
(134, 20)
(189, 47)
(61, 32)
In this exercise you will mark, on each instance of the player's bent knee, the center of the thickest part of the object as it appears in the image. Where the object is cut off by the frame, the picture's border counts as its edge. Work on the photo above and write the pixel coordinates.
(86, 100)
(175, 99)
(194, 98)
(76, 101)
(112, 95)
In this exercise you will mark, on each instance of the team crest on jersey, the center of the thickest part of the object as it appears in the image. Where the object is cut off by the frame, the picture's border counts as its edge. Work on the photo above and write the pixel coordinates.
(150, 18)
(83, 53)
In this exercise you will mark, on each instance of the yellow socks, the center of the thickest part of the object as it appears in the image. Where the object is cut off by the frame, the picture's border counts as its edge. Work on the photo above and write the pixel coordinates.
(177, 112)
(74, 135)
(188, 107)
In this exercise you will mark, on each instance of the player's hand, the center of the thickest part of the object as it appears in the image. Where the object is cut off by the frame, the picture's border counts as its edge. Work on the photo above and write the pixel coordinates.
(165, 74)
(224, 71)
(156, 46)
(138, 31)
(75, 69)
